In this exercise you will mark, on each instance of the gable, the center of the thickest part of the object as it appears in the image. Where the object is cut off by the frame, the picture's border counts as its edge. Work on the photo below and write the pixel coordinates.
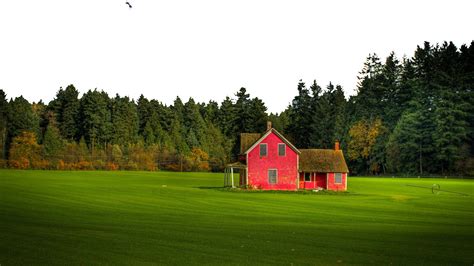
(265, 135)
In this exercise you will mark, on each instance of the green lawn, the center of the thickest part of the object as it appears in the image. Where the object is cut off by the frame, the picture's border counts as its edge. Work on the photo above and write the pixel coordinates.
(54, 217)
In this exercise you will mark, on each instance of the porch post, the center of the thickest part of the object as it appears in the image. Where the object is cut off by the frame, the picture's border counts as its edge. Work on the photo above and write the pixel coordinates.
(232, 175)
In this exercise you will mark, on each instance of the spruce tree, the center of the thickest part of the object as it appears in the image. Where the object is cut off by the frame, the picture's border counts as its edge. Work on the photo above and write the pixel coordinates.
(3, 124)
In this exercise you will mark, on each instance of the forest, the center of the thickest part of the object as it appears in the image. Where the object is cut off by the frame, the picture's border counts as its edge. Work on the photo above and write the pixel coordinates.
(408, 116)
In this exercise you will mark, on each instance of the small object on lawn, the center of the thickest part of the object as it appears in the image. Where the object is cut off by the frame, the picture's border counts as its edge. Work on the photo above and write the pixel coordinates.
(435, 189)
(163, 185)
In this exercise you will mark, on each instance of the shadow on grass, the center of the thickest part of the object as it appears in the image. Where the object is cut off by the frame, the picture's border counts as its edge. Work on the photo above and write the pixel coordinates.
(299, 192)
(213, 188)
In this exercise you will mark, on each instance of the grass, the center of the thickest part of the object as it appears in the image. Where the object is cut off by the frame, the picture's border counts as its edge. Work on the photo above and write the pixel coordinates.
(54, 217)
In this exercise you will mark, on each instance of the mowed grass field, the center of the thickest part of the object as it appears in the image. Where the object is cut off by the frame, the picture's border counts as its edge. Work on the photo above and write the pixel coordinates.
(55, 217)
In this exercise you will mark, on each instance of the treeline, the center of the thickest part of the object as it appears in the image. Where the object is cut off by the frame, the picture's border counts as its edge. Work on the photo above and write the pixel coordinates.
(409, 116)
(96, 131)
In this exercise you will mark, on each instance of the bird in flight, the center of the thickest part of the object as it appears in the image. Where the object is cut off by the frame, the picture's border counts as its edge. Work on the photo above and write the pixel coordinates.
(129, 5)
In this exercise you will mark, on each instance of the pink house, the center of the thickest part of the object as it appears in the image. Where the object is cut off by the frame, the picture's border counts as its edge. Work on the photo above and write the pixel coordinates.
(269, 161)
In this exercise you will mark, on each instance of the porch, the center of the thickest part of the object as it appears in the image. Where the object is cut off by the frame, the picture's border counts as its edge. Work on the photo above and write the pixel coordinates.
(313, 180)
(229, 174)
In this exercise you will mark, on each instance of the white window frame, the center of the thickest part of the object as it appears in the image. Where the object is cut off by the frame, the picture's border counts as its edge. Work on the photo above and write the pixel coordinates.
(260, 149)
(276, 176)
(335, 178)
(305, 177)
(284, 150)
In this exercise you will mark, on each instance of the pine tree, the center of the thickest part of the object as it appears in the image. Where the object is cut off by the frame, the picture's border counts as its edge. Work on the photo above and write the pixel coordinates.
(125, 121)
(3, 124)
(340, 123)
(52, 143)
(95, 119)
(20, 118)
(450, 116)
(258, 115)
(66, 109)
(227, 118)
(301, 115)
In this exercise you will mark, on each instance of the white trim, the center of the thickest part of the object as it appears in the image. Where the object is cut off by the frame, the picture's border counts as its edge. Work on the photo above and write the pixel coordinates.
(346, 181)
(297, 171)
(247, 168)
(276, 176)
(266, 135)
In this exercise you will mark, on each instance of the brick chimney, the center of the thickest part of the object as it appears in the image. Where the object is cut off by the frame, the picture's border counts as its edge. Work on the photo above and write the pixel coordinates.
(269, 125)
(336, 145)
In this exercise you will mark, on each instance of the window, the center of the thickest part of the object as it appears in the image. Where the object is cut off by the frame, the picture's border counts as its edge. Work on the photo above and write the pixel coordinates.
(307, 177)
(263, 149)
(281, 149)
(338, 178)
(272, 176)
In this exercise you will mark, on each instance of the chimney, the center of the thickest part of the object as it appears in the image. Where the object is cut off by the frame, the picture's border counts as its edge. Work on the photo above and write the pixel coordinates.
(336, 145)
(269, 125)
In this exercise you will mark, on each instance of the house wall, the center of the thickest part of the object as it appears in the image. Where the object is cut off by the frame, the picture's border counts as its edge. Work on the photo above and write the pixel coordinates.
(317, 180)
(334, 186)
(287, 166)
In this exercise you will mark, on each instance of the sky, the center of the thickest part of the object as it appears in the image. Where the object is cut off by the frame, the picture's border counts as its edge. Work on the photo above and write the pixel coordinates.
(208, 49)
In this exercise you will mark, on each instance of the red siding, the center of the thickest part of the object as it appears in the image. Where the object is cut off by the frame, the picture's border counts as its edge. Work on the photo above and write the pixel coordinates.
(317, 180)
(287, 166)
(333, 186)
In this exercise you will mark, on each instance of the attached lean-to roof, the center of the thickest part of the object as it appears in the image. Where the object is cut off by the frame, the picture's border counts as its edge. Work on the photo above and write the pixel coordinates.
(322, 161)
(253, 145)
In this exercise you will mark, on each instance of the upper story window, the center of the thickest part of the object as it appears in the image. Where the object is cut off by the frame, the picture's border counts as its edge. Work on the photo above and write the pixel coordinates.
(281, 149)
(263, 149)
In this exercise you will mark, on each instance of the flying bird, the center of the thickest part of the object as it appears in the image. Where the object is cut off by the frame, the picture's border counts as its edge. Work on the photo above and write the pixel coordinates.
(129, 5)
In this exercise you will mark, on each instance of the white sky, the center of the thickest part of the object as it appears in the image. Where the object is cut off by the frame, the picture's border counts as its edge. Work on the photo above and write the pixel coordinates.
(209, 49)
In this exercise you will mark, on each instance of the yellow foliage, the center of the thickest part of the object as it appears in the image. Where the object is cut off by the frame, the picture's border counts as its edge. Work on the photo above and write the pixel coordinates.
(363, 136)
(25, 151)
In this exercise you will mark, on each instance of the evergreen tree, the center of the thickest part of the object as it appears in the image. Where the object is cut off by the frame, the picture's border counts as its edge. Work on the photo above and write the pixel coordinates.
(340, 123)
(20, 118)
(125, 121)
(3, 124)
(301, 115)
(449, 115)
(52, 143)
(258, 115)
(66, 109)
(227, 118)
(95, 120)
(243, 119)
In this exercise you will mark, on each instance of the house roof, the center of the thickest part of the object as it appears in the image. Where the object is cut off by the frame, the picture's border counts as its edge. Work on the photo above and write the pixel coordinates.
(236, 165)
(258, 140)
(322, 161)
(247, 140)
